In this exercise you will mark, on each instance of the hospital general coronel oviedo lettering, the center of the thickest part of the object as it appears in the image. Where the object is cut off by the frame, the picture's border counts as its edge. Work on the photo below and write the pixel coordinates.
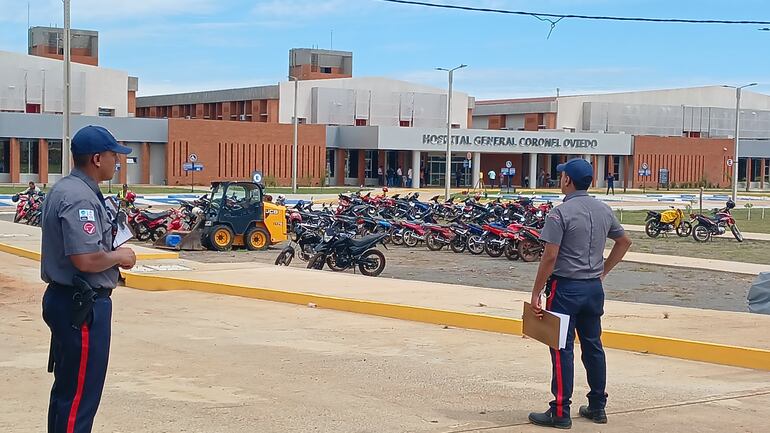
(492, 141)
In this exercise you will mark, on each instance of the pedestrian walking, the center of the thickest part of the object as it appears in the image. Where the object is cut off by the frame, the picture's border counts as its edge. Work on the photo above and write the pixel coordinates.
(80, 265)
(409, 174)
(380, 177)
(610, 183)
(391, 175)
(492, 176)
(572, 270)
(399, 177)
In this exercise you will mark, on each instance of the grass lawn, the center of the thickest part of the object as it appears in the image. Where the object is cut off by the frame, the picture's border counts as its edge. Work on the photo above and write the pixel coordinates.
(720, 248)
(756, 225)
(309, 190)
(152, 189)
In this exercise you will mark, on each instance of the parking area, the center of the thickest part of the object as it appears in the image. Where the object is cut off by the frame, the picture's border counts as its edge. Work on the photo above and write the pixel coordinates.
(632, 282)
(191, 362)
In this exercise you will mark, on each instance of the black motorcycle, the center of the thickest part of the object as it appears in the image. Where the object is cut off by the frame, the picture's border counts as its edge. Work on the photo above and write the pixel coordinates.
(307, 237)
(340, 252)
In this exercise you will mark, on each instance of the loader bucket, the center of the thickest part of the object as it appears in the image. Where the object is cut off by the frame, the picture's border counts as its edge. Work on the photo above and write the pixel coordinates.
(189, 240)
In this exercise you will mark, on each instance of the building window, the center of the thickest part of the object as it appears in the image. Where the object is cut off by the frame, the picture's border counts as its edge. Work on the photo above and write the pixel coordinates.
(106, 112)
(29, 156)
(54, 156)
(360, 122)
(5, 155)
(405, 123)
(326, 70)
(352, 163)
(756, 169)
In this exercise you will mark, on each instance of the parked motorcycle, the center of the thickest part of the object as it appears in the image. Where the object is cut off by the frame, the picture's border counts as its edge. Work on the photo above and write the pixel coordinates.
(308, 236)
(707, 227)
(657, 223)
(341, 252)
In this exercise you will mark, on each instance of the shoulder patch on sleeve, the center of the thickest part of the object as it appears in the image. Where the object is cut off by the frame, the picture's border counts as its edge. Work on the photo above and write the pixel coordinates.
(89, 228)
(86, 215)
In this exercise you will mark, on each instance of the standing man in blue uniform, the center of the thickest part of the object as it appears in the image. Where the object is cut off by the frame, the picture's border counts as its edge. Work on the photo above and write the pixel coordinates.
(80, 265)
(571, 271)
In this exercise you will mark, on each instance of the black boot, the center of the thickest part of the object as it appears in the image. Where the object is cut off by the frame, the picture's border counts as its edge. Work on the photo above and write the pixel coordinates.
(599, 416)
(548, 419)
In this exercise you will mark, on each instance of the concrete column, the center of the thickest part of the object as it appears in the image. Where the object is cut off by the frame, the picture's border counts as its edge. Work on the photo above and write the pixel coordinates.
(587, 158)
(595, 162)
(339, 166)
(624, 166)
(15, 160)
(763, 169)
(416, 167)
(361, 167)
(42, 160)
(748, 174)
(475, 169)
(144, 161)
(533, 173)
(599, 171)
(123, 173)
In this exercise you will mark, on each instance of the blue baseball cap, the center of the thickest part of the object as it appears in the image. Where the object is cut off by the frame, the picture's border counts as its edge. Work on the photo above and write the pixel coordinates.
(96, 139)
(579, 170)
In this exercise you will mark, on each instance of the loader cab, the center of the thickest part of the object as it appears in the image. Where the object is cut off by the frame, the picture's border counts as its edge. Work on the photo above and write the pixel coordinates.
(237, 203)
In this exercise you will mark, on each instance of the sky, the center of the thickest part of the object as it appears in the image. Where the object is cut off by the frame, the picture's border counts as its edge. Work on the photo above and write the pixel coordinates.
(192, 45)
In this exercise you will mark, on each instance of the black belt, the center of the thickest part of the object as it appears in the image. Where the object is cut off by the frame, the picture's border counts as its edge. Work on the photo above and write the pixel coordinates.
(100, 293)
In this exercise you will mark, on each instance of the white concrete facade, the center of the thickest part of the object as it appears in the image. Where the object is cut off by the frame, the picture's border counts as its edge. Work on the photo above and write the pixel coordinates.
(379, 101)
(26, 79)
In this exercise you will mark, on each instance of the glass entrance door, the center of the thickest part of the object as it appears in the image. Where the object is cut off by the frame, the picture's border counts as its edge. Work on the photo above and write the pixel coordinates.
(437, 166)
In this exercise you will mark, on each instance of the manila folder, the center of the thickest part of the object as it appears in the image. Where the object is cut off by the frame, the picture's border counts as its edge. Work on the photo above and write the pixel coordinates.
(550, 330)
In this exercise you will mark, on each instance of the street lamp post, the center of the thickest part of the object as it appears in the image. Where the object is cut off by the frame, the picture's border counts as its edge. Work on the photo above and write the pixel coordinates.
(447, 170)
(736, 163)
(294, 146)
(67, 101)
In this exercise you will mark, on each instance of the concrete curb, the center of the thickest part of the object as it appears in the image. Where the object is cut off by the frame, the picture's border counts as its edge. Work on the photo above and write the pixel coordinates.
(34, 255)
(735, 356)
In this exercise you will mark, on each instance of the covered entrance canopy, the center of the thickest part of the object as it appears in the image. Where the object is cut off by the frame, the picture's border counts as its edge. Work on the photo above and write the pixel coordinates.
(427, 146)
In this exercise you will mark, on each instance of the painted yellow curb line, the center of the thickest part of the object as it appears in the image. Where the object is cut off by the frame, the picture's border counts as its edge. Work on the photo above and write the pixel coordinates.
(735, 356)
(35, 255)
(21, 252)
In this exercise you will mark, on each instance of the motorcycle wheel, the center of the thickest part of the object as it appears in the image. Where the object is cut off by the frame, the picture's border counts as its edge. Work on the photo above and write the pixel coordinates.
(701, 233)
(397, 238)
(158, 233)
(458, 244)
(737, 233)
(494, 250)
(285, 257)
(142, 234)
(511, 252)
(529, 250)
(331, 262)
(684, 229)
(317, 261)
(16, 218)
(383, 230)
(410, 240)
(652, 229)
(372, 263)
(476, 245)
(432, 243)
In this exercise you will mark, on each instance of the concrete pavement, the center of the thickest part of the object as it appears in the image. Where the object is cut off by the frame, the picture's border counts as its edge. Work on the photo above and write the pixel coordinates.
(196, 362)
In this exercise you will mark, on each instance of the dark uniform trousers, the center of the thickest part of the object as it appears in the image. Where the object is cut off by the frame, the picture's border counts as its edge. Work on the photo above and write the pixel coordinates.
(583, 301)
(80, 360)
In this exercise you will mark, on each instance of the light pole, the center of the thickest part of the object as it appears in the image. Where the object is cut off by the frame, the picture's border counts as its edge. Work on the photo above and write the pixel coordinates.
(65, 148)
(294, 146)
(737, 160)
(447, 174)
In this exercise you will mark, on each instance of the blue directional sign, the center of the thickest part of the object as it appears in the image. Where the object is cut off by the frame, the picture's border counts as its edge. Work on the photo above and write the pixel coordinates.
(191, 166)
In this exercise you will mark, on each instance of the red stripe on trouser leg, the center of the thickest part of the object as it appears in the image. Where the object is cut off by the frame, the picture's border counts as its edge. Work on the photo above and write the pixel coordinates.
(559, 385)
(557, 361)
(81, 379)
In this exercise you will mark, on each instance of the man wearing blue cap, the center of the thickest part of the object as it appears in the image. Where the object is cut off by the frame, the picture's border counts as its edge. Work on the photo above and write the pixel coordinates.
(80, 265)
(571, 271)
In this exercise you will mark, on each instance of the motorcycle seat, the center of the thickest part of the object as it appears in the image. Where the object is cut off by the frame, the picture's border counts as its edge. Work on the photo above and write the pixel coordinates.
(156, 215)
(364, 241)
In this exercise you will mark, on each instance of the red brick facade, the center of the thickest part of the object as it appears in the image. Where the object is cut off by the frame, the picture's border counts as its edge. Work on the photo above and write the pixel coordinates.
(689, 160)
(232, 150)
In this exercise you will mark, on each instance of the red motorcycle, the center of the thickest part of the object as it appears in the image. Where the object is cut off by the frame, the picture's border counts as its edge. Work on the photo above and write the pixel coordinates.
(412, 233)
(148, 225)
(28, 208)
(438, 236)
(530, 247)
